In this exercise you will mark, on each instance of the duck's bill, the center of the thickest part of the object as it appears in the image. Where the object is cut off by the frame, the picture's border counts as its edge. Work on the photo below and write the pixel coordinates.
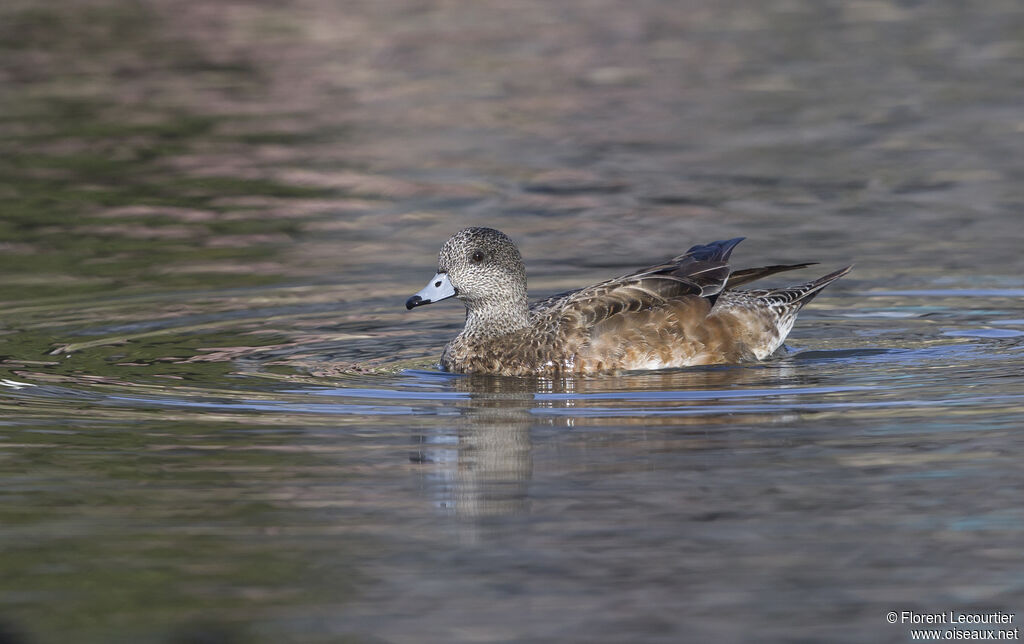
(439, 288)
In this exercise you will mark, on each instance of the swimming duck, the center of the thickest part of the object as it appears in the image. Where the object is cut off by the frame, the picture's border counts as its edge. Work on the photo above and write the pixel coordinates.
(687, 311)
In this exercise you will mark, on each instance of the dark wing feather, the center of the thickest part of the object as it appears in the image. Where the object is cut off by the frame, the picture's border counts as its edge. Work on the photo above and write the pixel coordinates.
(747, 275)
(702, 271)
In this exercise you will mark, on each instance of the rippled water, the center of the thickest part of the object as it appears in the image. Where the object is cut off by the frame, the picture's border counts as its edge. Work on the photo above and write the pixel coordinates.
(219, 421)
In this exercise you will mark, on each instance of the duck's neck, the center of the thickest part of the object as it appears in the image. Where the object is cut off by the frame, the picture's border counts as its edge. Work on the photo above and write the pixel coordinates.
(494, 318)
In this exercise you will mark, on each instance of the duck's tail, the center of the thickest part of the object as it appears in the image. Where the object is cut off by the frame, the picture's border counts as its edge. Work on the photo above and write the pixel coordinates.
(794, 298)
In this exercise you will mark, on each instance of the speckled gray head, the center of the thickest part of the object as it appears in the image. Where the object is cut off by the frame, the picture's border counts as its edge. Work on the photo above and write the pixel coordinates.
(480, 266)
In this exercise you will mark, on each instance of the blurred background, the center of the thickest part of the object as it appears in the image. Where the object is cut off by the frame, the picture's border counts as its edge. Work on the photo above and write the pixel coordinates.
(212, 212)
(157, 145)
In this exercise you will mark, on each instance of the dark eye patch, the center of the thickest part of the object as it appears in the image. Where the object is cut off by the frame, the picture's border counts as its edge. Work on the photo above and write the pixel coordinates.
(478, 256)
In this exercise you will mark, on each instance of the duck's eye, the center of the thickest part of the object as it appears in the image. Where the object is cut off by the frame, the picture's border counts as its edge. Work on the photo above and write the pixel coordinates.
(478, 256)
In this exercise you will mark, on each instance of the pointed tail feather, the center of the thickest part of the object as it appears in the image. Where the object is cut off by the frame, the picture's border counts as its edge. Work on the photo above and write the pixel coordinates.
(799, 296)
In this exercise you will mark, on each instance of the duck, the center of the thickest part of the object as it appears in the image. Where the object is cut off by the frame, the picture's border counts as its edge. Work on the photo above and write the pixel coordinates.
(685, 312)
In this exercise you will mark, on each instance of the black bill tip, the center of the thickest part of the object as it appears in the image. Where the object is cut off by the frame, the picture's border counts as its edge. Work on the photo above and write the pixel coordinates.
(415, 301)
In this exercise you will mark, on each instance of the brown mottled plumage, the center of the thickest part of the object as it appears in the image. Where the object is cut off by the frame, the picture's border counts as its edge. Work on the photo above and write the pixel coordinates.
(684, 312)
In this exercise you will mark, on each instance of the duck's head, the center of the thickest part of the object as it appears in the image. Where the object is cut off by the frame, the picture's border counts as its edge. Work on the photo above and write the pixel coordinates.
(481, 267)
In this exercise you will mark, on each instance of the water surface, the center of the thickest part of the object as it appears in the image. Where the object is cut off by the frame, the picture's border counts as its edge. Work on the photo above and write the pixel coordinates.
(219, 420)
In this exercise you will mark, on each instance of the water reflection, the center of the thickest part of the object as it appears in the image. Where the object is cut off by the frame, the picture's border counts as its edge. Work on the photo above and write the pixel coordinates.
(482, 464)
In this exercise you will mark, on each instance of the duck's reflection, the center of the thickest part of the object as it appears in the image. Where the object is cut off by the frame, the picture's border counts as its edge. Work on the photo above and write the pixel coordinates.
(482, 464)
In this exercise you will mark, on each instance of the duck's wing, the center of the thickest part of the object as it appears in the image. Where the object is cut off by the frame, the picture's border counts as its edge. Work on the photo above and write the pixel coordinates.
(747, 275)
(701, 272)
